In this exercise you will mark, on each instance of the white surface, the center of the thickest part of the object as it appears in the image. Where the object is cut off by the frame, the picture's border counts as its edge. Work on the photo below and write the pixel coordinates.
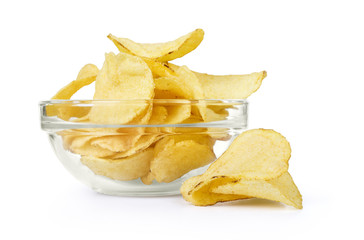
(313, 53)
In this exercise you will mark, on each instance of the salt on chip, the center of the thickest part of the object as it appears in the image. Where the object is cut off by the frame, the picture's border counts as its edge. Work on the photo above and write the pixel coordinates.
(86, 76)
(280, 189)
(123, 76)
(255, 154)
(161, 52)
(176, 155)
(124, 169)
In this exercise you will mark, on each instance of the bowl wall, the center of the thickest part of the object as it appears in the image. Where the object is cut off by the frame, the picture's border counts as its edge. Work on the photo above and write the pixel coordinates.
(150, 155)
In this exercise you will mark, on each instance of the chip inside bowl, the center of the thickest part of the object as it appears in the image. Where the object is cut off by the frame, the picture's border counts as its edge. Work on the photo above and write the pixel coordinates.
(153, 120)
(123, 76)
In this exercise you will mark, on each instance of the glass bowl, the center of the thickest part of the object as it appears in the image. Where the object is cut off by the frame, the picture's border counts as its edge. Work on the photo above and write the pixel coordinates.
(140, 147)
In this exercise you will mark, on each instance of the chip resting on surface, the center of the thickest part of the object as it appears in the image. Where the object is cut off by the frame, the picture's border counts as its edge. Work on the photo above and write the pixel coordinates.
(280, 189)
(123, 76)
(161, 52)
(257, 156)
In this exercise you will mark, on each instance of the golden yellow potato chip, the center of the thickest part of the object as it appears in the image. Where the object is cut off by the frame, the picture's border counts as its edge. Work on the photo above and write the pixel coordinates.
(148, 178)
(86, 76)
(172, 88)
(143, 143)
(124, 169)
(159, 69)
(122, 76)
(227, 86)
(255, 154)
(162, 52)
(159, 115)
(280, 189)
(230, 86)
(185, 85)
(176, 155)
(178, 114)
(81, 144)
(204, 197)
(98, 142)
(122, 140)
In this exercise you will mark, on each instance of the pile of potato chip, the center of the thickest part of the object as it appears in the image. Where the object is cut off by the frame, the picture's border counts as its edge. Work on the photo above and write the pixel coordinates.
(139, 83)
(142, 72)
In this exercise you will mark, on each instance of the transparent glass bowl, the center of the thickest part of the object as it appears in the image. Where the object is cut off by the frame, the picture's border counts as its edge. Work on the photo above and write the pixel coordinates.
(140, 147)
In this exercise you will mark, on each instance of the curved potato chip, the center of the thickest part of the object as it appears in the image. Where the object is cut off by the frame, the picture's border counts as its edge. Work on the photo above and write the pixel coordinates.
(143, 143)
(176, 155)
(230, 86)
(257, 154)
(86, 76)
(280, 189)
(122, 141)
(124, 169)
(204, 197)
(162, 52)
(184, 85)
(178, 114)
(100, 142)
(159, 69)
(81, 144)
(159, 115)
(122, 76)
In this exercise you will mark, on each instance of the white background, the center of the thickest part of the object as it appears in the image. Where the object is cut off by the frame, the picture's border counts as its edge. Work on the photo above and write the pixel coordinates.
(313, 53)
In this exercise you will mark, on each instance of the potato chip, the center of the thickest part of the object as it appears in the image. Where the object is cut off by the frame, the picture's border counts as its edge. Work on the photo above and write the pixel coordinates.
(159, 115)
(185, 85)
(123, 140)
(124, 169)
(280, 189)
(98, 142)
(143, 143)
(257, 154)
(178, 113)
(159, 69)
(161, 52)
(230, 86)
(176, 155)
(204, 197)
(122, 76)
(86, 76)
(81, 144)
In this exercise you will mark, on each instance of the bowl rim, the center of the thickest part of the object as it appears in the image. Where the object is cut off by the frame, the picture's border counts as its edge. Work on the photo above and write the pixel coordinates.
(177, 101)
(49, 122)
